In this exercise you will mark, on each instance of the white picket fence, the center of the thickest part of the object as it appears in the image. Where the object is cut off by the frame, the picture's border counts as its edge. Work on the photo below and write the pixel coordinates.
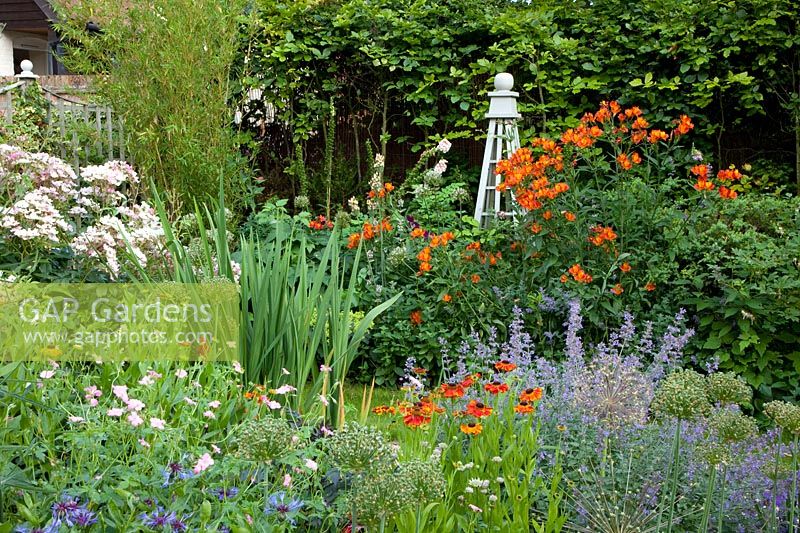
(88, 132)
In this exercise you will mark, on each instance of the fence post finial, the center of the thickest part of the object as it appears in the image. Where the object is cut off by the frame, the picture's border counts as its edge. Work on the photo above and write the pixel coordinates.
(27, 71)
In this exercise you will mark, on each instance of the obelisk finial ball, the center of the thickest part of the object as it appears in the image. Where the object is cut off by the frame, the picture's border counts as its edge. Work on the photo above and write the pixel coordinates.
(503, 81)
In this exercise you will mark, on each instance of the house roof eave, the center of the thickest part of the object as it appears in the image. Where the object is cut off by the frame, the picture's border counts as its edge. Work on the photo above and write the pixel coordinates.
(44, 5)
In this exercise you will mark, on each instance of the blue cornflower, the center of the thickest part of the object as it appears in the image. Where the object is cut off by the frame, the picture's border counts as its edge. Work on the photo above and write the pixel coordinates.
(52, 527)
(83, 518)
(278, 505)
(65, 508)
(223, 493)
(175, 471)
(158, 519)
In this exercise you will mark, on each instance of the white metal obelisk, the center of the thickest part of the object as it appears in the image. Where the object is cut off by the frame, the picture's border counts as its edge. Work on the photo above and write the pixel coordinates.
(502, 140)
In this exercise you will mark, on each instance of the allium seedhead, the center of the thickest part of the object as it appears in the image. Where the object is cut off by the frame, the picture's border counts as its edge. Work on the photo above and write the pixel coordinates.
(357, 448)
(682, 395)
(731, 425)
(265, 439)
(380, 495)
(714, 453)
(785, 415)
(425, 479)
(614, 391)
(727, 388)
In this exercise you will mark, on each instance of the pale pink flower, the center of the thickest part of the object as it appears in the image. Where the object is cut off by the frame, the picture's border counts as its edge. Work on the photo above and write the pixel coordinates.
(135, 405)
(475, 508)
(146, 380)
(54, 364)
(287, 480)
(215, 448)
(209, 414)
(47, 374)
(92, 392)
(249, 519)
(189, 400)
(285, 389)
(144, 443)
(93, 402)
(312, 465)
(273, 405)
(134, 419)
(153, 374)
(441, 166)
(75, 419)
(214, 404)
(121, 392)
(324, 368)
(181, 373)
(237, 367)
(285, 372)
(157, 423)
(116, 411)
(203, 463)
(444, 146)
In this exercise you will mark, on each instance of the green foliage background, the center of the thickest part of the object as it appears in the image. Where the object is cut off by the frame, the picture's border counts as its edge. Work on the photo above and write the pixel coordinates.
(391, 65)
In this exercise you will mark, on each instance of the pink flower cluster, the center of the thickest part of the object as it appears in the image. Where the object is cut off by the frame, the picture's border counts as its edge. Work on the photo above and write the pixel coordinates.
(43, 195)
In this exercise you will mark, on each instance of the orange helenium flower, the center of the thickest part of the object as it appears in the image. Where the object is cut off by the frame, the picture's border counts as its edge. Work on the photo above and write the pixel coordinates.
(478, 409)
(523, 408)
(495, 387)
(473, 428)
(505, 366)
(452, 391)
(531, 395)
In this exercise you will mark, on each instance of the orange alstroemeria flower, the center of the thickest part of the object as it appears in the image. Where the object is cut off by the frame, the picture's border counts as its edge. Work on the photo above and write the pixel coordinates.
(475, 278)
(617, 289)
(579, 275)
(657, 135)
(701, 171)
(730, 174)
(704, 185)
(727, 193)
(446, 298)
(570, 216)
(625, 267)
(684, 126)
(415, 317)
(650, 286)
(417, 233)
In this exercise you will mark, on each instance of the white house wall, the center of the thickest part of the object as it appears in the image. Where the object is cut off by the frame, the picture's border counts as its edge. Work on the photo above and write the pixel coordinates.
(6, 55)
